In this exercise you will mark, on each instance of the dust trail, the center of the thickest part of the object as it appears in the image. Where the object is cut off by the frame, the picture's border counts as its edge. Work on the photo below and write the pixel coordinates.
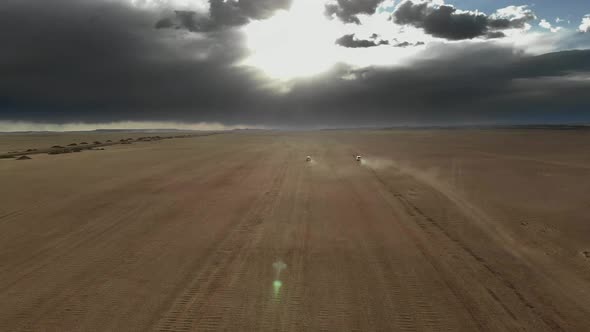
(527, 255)
(430, 176)
(433, 178)
(377, 163)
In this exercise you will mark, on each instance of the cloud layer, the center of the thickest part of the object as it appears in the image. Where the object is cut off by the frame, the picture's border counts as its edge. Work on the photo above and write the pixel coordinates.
(223, 13)
(108, 61)
(585, 25)
(351, 42)
(447, 22)
(347, 10)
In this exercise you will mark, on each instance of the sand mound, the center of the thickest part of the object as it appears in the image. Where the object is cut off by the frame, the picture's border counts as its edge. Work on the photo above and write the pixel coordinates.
(23, 158)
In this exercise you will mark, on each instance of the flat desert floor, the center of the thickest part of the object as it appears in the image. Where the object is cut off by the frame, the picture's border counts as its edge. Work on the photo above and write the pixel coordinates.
(455, 230)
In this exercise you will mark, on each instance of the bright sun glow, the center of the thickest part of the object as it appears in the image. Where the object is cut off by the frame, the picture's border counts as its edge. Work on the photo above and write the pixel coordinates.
(294, 43)
(300, 42)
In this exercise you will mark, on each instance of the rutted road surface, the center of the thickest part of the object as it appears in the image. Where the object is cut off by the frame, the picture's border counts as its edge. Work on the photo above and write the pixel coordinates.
(237, 232)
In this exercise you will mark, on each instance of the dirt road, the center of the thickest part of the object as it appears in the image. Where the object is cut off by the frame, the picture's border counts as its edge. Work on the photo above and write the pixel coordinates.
(237, 232)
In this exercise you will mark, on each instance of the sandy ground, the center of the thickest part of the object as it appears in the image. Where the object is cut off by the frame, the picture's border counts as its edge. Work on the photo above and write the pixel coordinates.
(433, 230)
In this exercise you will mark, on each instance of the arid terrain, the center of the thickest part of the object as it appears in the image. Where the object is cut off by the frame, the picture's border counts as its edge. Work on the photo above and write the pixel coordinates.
(454, 230)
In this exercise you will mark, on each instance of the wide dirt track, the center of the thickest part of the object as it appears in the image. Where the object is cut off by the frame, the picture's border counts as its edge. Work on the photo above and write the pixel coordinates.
(434, 230)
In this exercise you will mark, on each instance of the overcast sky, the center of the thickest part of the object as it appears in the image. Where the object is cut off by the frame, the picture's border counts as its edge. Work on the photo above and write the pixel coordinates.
(292, 63)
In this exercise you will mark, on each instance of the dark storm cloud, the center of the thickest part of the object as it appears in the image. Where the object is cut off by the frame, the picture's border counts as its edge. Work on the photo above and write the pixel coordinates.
(96, 61)
(188, 20)
(445, 21)
(407, 44)
(81, 60)
(351, 42)
(482, 83)
(347, 10)
(495, 34)
(260, 9)
(223, 13)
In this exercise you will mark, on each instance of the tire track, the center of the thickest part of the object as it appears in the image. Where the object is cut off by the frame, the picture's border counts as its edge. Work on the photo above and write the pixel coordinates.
(90, 233)
(65, 244)
(205, 291)
(406, 290)
(66, 299)
(456, 248)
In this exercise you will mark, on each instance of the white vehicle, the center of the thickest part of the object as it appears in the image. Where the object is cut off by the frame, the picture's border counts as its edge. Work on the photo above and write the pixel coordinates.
(308, 158)
(358, 158)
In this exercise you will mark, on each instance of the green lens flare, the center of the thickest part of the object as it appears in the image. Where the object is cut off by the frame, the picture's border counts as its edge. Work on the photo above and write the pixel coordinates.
(277, 284)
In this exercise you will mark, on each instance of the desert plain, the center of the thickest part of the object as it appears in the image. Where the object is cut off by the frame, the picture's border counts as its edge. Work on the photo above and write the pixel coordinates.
(454, 230)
